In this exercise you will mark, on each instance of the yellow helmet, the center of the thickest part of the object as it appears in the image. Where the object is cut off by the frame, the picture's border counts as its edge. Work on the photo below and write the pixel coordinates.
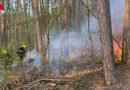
(24, 46)
(4, 52)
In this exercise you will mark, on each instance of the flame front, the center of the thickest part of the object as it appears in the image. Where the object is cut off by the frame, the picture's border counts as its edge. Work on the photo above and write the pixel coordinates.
(82, 73)
(84, 53)
(118, 53)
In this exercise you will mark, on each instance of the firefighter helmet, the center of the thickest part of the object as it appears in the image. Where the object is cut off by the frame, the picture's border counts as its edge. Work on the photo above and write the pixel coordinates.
(24, 46)
(4, 52)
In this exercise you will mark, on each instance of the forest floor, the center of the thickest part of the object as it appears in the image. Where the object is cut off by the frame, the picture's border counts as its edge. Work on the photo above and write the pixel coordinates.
(90, 80)
(95, 81)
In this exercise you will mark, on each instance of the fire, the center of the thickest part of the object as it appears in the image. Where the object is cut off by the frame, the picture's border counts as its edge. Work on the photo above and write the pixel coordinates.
(82, 73)
(79, 54)
(83, 53)
(118, 53)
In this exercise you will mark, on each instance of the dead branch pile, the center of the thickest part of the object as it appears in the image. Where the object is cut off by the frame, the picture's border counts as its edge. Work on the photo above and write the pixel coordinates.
(33, 81)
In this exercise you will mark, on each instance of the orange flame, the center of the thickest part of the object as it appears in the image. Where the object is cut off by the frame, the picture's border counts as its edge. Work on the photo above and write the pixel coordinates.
(84, 72)
(81, 73)
(118, 53)
(83, 53)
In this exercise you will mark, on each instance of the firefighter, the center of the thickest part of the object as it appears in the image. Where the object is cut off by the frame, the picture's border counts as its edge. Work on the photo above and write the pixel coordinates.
(6, 60)
(21, 52)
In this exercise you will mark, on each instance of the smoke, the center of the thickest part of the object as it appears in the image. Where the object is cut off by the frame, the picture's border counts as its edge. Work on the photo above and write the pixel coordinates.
(77, 43)
(60, 45)
(117, 15)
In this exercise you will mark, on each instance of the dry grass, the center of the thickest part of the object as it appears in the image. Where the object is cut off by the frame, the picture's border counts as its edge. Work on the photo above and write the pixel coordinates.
(86, 81)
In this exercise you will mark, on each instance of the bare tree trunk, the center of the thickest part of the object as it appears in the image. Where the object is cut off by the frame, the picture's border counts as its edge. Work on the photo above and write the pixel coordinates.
(8, 24)
(89, 35)
(47, 11)
(38, 32)
(26, 25)
(43, 26)
(60, 17)
(3, 29)
(66, 29)
(24, 6)
(104, 19)
(77, 23)
(44, 41)
(126, 34)
(17, 31)
(35, 38)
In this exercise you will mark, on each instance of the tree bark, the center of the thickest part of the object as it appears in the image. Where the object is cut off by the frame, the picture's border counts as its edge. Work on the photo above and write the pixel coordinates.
(104, 19)
(77, 23)
(66, 29)
(126, 34)
(26, 25)
(60, 17)
(38, 32)
(35, 38)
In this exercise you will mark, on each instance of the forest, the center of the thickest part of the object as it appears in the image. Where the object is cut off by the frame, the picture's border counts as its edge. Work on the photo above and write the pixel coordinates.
(64, 45)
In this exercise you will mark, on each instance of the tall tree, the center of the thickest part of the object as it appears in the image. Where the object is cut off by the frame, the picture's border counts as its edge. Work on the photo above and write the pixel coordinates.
(17, 28)
(77, 22)
(44, 29)
(104, 19)
(47, 11)
(60, 18)
(38, 31)
(66, 28)
(126, 33)
(26, 25)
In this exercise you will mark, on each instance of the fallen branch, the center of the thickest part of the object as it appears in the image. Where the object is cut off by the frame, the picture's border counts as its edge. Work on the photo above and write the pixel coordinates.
(48, 80)
(58, 80)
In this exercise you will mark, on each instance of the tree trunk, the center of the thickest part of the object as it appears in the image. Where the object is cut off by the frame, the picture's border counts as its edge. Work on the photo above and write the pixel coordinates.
(17, 31)
(38, 32)
(66, 29)
(44, 34)
(26, 25)
(104, 19)
(77, 23)
(3, 29)
(126, 34)
(60, 17)
(24, 7)
(47, 11)
(90, 36)
(35, 38)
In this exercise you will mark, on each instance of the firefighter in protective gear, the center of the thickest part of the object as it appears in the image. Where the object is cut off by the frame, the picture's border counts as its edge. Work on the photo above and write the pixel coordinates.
(21, 52)
(6, 60)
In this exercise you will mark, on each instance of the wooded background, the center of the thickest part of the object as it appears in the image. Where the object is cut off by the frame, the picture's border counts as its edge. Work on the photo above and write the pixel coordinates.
(30, 22)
